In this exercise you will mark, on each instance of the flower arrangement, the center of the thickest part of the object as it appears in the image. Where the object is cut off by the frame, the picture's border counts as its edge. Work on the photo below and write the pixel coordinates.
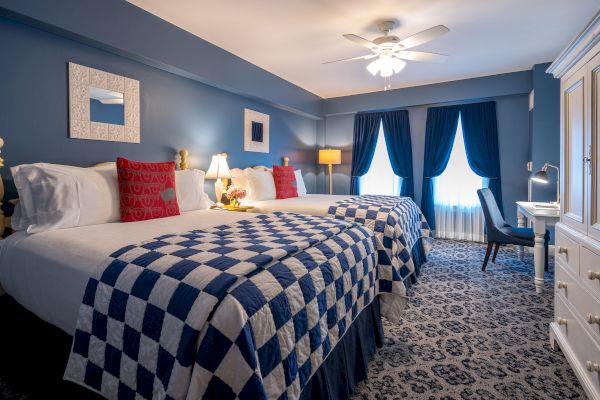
(235, 194)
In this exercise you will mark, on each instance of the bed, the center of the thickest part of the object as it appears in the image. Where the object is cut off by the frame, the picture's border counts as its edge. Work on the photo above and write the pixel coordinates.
(296, 305)
(397, 221)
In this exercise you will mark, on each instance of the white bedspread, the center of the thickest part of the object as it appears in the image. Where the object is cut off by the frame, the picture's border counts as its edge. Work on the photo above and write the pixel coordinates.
(47, 272)
(311, 204)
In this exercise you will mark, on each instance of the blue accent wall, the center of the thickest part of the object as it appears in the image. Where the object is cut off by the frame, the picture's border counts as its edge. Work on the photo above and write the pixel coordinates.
(545, 130)
(510, 91)
(176, 112)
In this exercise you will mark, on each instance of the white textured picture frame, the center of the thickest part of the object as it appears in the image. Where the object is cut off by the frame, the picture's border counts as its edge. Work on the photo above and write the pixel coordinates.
(81, 78)
(250, 145)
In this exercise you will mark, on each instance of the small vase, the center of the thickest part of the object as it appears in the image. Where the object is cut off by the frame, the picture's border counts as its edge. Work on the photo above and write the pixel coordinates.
(235, 203)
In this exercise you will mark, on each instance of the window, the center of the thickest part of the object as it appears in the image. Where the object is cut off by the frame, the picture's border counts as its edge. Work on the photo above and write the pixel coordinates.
(381, 178)
(458, 213)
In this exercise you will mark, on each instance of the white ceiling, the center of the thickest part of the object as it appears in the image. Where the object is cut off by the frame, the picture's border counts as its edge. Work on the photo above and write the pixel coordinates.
(292, 38)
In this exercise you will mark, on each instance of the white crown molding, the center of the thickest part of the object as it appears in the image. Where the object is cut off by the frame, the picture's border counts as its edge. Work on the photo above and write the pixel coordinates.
(577, 48)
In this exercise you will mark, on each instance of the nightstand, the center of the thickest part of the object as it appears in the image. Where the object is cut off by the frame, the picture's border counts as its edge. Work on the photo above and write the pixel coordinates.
(227, 207)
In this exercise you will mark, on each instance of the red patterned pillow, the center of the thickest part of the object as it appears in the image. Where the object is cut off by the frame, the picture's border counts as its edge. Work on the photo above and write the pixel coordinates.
(146, 190)
(285, 182)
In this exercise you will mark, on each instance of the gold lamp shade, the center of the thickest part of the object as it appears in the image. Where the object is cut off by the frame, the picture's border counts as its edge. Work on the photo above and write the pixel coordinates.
(330, 156)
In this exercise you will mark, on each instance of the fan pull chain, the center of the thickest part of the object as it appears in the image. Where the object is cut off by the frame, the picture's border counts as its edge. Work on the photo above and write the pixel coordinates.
(387, 85)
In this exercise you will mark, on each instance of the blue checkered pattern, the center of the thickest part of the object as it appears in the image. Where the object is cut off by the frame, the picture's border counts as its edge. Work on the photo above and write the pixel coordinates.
(248, 310)
(398, 224)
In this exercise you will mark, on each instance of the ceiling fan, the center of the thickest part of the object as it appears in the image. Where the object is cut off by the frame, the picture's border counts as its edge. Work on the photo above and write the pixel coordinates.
(390, 51)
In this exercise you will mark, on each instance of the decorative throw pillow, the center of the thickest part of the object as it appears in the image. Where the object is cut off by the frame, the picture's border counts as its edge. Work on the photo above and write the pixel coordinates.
(285, 182)
(146, 190)
(300, 186)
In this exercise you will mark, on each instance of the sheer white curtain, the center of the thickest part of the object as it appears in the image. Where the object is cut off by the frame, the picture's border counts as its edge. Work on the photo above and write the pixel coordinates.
(458, 213)
(381, 178)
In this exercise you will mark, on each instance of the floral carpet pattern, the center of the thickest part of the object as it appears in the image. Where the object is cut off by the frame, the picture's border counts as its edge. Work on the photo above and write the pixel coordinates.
(469, 334)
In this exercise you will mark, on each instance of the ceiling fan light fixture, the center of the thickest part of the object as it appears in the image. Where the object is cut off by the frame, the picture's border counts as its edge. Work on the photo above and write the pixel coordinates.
(397, 65)
(386, 66)
(374, 66)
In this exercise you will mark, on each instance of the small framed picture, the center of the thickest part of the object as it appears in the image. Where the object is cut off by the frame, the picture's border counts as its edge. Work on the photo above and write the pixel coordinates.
(256, 131)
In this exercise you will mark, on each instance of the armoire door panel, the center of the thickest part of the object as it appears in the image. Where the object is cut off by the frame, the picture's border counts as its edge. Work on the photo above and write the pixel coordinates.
(574, 104)
(593, 166)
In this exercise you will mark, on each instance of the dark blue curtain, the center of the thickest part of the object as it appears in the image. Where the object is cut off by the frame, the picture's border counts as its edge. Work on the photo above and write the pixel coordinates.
(396, 129)
(366, 127)
(480, 131)
(440, 130)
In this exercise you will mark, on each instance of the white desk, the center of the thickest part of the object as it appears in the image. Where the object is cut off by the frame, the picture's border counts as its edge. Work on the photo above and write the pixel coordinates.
(541, 217)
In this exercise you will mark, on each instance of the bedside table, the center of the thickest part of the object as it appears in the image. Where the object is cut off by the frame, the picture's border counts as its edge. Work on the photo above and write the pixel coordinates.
(227, 207)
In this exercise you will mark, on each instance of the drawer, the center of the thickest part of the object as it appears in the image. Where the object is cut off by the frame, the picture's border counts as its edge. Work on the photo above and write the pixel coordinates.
(567, 250)
(590, 270)
(584, 347)
(579, 297)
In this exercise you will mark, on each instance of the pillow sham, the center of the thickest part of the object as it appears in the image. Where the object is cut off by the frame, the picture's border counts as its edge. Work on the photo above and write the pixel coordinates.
(285, 182)
(300, 186)
(189, 186)
(54, 196)
(261, 183)
(146, 190)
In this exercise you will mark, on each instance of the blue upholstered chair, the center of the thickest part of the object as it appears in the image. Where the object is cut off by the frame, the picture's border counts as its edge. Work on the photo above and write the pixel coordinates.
(499, 232)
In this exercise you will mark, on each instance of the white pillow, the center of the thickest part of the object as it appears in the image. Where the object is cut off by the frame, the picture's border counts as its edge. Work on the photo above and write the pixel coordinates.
(261, 183)
(300, 186)
(189, 185)
(238, 178)
(60, 196)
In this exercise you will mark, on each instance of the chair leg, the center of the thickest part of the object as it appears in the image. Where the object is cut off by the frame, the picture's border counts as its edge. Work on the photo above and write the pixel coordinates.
(487, 255)
(546, 258)
(495, 252)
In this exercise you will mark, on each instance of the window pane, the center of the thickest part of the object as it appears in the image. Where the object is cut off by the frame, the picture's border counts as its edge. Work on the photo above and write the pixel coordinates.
(381, 178)
(458, 184)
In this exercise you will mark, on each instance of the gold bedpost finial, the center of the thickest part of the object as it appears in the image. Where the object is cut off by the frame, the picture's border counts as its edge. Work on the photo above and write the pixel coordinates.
(286, 161)
(183, 164)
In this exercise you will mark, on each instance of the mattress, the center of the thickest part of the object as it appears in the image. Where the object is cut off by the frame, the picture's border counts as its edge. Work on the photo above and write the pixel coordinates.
(47, 272)
(311, 204)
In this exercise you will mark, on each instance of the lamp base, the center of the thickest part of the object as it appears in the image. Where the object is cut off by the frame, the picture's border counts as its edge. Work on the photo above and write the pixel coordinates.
(219, 192)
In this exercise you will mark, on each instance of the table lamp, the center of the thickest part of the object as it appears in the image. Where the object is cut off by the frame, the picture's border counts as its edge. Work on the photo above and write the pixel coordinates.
(542, 177)
(330, 157)
(219, 170)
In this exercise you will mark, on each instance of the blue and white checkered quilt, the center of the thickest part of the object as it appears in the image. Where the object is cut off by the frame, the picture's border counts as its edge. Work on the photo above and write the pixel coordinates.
(398, 223)
(248, 310)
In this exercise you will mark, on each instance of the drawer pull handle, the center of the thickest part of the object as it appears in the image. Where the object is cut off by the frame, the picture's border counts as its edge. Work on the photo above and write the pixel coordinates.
(561, 285)
(562, 250)
(561, 321)
(593, 319)
(593, 275)
(592, 367)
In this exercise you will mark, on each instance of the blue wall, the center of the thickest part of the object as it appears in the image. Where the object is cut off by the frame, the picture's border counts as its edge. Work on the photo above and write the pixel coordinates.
(545, 130)
(176, 112)
(510, 91)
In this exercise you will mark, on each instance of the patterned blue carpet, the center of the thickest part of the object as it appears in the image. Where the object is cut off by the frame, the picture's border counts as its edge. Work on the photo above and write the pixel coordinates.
(472, 335)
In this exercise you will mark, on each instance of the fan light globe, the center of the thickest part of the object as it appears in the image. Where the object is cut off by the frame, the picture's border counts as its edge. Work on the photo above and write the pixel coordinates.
(386, 66)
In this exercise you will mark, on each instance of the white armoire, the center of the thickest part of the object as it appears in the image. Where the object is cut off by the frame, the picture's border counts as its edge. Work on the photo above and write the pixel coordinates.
(576, 326)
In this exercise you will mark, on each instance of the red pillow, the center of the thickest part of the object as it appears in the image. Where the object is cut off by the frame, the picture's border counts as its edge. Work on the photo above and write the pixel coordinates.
(146, 190)
(285, 182)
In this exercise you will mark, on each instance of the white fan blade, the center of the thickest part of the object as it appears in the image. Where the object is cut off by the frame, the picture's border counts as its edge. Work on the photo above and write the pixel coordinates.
(421, 56)
(367, 57)
(424, 36)
(360, 40)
